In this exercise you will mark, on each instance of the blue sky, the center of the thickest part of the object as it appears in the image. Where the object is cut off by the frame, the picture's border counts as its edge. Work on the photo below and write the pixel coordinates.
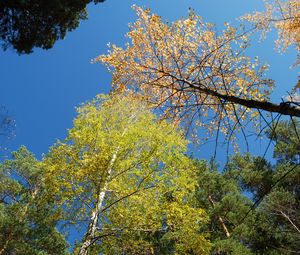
(41, 90)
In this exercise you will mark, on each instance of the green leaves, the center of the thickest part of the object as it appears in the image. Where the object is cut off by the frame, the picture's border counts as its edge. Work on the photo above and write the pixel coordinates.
(28, 217)
(122, 177)
(114, 171)
(256, 202)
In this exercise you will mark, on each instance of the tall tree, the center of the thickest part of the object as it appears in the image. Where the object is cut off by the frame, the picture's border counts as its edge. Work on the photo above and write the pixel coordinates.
(254, 205)
(114, 172)
(194, 73)
(27, 24)
(27, 217)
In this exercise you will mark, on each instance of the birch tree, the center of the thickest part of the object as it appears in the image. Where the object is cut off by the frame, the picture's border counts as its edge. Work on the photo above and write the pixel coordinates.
(194, 73)
(112, 173)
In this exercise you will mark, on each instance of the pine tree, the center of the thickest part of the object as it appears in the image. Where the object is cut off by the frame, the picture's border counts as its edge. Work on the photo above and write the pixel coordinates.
(253, 205)
(28, 218)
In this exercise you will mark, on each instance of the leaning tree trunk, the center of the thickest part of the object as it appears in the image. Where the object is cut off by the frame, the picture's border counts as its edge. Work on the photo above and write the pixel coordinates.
(220, 219)
(91, 231)
(285, 108)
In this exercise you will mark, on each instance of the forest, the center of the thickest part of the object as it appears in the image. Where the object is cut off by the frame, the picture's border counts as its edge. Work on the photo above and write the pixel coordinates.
(129, 176)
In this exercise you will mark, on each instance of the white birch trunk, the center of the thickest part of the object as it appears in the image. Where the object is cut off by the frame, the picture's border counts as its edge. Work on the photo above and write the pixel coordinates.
(90, 234)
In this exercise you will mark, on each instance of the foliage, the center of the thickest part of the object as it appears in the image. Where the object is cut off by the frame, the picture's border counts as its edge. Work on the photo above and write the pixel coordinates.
(282, 15)
(114, 172)
(194, 73)
(122, 177)
(258, 202)
(27, 24)
(286, 136)
(27, 219)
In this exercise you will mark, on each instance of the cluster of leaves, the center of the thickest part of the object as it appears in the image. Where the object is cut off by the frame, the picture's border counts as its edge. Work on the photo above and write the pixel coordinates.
(282, 15)
(195, 74)
(28, 218)
(189, 70)
(27, 24)
(253, 205)
(115, 168)
(121, 172)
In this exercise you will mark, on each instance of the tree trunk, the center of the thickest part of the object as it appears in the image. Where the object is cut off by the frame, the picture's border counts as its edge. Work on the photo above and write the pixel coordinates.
(285, 108)
(90, 234)
(221, 221)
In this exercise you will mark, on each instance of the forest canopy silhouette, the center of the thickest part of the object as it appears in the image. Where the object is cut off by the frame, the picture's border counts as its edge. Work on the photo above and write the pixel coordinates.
(29, 24)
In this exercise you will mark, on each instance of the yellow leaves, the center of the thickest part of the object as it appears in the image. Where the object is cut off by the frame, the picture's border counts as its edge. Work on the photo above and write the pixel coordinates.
(282, 15)
(184, 221)
(185, 63)
(107, 125)
(190, 22)
(288, 24)
(168, 205)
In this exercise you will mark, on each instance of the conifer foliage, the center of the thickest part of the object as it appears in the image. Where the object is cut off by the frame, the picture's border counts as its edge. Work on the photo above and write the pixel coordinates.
(253, 205)
(28, 218)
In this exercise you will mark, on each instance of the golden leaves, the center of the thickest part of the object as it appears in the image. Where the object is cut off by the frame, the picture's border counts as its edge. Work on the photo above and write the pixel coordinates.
(187, 69)
(282, 15)
(149, 163)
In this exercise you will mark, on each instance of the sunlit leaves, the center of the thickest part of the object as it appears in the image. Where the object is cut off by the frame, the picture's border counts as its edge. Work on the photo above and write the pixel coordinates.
(118, 163)
(190, 71)
(282, 15)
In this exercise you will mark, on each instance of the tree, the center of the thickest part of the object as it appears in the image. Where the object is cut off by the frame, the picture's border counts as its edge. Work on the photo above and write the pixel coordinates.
(220, 194)
(27, 24)
(254, 205)
(114, 172)
(27, 218)
(194, 73)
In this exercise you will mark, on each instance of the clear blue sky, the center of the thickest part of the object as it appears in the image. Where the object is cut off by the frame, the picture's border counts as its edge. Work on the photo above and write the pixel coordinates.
(41, 90)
